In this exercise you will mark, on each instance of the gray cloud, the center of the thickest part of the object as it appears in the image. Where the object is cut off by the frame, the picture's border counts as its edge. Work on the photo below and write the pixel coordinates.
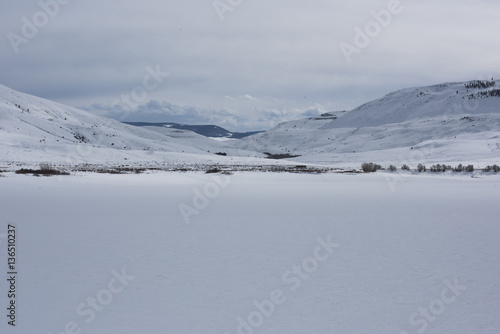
(265, 61)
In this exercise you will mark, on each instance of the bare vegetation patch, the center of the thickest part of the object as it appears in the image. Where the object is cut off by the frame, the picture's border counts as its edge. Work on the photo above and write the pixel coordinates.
(45, 170)
(370, 167)
(494, 169)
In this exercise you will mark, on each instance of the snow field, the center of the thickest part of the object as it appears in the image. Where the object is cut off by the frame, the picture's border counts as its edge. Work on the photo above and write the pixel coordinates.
(419, 258)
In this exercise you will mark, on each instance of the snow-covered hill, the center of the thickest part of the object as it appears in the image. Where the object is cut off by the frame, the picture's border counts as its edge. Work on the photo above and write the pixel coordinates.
(447, 122)
(450, 100)
(454, 122)
(34, 130)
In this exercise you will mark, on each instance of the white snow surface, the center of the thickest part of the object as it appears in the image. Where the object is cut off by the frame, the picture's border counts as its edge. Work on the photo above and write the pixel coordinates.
(420, 257)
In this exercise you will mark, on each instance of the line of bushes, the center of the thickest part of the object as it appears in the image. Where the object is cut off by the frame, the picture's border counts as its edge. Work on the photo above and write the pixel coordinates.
(370, 167)
(443, 168)
(494, 168)
(45, 170)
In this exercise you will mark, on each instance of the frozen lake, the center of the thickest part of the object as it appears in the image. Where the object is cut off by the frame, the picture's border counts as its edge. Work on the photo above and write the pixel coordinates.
(253, 253)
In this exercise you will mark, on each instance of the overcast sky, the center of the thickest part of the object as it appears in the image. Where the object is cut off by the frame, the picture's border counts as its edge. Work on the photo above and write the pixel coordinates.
(241, 64)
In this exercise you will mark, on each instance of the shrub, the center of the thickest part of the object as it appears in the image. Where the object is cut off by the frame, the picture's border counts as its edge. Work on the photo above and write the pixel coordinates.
(494, 168)
(81, 138)
(421, 168)
(469, 168)
(440, 168)
(366, 167)
(392, 168)
(47, 167)
(459, 168)
(370, 167)
(405, 167)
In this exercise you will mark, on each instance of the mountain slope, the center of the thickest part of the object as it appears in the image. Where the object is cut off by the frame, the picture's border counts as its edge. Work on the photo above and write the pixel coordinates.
(447, 122)
(35, 129)
(452, 99)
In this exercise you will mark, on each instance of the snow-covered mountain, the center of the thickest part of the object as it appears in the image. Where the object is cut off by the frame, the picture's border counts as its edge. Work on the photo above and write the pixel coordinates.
(454, 122)
(446, 122)
(33, 129)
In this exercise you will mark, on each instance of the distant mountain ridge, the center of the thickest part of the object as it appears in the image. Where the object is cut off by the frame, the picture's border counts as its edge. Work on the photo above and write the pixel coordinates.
(212, 131)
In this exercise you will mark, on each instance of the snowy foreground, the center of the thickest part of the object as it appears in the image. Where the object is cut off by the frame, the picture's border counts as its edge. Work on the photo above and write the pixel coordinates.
(252, 253)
